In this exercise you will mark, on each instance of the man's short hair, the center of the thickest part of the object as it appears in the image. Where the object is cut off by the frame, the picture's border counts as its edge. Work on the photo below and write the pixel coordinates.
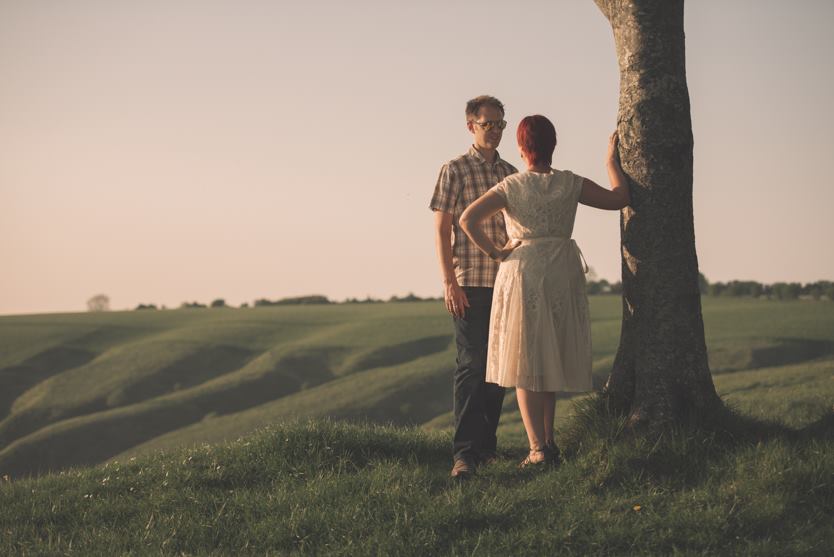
(473, 106)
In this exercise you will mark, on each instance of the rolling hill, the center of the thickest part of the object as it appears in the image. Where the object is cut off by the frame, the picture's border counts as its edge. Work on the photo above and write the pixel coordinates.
(80, 389)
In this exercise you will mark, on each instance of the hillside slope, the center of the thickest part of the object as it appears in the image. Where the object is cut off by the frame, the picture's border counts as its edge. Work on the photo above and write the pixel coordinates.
(79, 389)
(350, 489)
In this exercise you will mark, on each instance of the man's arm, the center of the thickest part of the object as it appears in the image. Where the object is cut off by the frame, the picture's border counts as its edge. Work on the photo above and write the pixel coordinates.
(453, 294)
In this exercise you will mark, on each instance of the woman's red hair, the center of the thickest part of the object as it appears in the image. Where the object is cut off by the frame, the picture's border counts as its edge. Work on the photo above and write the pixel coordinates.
(537, 138)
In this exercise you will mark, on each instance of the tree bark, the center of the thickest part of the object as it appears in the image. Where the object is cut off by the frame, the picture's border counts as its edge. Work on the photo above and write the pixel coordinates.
(661, 373)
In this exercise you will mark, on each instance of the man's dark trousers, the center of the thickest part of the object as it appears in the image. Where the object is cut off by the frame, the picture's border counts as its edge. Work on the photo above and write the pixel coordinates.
(477, 404)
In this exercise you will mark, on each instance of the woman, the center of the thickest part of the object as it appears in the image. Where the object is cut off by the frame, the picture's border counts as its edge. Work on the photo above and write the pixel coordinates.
(540, 329)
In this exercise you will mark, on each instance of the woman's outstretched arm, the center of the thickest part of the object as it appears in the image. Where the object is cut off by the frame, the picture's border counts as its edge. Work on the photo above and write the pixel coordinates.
(473, 217)
(617, 197)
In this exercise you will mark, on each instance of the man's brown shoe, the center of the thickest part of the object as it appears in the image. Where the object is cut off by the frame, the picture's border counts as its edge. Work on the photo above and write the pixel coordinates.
(463, 469)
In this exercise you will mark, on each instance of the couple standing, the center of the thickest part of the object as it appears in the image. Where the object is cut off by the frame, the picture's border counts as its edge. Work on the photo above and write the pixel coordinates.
(518, 303)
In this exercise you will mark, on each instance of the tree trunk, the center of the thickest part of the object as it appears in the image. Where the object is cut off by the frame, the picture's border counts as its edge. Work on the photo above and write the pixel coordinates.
(661, 373)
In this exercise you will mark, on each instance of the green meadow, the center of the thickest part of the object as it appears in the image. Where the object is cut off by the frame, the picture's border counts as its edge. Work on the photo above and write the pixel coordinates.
(325, 429)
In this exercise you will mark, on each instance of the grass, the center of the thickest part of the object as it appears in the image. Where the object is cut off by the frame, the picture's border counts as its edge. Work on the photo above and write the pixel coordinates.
(137, 382)
(265, 355)
(354, 457)
(336, 488)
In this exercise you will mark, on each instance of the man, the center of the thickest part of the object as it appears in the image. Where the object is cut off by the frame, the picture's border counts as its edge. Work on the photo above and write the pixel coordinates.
(468, 277)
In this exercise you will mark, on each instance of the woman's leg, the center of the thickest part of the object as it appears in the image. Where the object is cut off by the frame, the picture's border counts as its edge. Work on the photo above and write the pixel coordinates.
(531, 405)
(549, 416)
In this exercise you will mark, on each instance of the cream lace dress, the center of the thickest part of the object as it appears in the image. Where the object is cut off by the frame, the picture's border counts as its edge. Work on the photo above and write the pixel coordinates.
(540, 328)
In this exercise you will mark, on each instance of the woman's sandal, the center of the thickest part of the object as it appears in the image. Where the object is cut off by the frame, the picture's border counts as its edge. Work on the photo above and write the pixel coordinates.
(551, 457)
(554, 455)
(528, 462)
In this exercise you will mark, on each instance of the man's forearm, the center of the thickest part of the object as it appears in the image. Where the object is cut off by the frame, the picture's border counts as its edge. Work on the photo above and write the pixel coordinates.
(447, 269)
(443, 245)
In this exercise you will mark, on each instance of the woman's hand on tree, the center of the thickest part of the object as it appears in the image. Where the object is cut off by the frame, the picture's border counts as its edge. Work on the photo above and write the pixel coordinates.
(613, 157)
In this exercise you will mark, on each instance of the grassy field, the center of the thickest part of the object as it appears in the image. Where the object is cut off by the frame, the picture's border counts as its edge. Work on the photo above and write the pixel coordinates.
(143, 391)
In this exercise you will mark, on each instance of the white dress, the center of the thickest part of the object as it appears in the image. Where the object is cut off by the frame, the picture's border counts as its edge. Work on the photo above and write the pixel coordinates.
(540, 326)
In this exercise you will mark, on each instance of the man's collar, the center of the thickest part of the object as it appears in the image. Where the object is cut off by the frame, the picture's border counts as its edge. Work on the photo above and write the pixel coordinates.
(480, 158)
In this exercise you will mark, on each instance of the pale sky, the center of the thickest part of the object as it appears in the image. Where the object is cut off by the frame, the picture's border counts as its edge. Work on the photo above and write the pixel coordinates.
(166, 150)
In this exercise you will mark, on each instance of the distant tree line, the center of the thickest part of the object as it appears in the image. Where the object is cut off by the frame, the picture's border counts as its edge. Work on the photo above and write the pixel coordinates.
(297, 301)
(822, 289)
(739, 288)
(315, 299)
(777, 291)
(602, 286)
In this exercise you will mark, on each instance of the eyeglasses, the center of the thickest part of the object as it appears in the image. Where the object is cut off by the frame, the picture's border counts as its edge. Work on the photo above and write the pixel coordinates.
(489, 124)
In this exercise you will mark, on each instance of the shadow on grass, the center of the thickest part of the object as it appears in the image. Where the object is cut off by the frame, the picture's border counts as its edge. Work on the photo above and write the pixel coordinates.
(822, 429)
(767, 353)
(16, 380)
(397, 354)
(299, 451)
(207, 363)
(682, 454)
(299, 370)
(125, 425)
(305, 457)
(778, 476)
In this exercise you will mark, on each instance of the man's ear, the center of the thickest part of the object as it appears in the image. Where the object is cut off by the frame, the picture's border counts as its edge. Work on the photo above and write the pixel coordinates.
(469, 126)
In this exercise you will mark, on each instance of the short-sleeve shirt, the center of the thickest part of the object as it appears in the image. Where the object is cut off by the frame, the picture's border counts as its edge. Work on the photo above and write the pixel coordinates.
(462, 181)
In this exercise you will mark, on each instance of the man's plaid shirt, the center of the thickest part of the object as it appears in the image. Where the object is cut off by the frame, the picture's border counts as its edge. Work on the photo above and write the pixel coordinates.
(462, 181)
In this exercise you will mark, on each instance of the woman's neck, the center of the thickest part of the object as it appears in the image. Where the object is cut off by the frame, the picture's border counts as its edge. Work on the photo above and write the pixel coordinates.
(540, 168)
